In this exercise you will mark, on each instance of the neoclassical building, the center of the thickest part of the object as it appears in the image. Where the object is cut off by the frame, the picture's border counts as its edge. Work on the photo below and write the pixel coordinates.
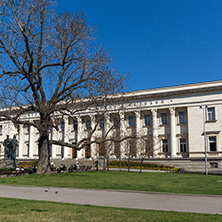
(169, 122)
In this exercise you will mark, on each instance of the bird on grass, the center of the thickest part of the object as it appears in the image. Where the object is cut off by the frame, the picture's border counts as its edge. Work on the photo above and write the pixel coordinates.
(47, 189)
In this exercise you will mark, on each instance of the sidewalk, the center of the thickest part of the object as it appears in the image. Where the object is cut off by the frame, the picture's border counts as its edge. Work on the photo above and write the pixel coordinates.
(138, 170)
(208, 204)
(214, 172)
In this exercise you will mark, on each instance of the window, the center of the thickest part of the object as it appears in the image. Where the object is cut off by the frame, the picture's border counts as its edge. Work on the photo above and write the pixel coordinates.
(87, 151)
(131, 121)
(148, 147)
(214, 165)
(132, 147)
(102, 149)
(116, 122)
(182, 117)
(62, 126)
(75, 125)
(183, 145)
(0, 129)
(88, 124)
(212, 143)
(210, 114)
(101, 123)
(147, 120)
(163, 118)
(165, 145)
(27, 149)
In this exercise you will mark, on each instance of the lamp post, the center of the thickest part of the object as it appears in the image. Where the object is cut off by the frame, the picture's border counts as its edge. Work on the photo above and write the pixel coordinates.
(205, 139)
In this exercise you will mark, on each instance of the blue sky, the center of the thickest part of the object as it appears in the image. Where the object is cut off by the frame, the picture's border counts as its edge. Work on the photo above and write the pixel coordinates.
(158, 42)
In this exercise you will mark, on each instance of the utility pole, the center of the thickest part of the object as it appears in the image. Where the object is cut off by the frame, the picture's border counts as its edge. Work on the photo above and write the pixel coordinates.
(205, 139)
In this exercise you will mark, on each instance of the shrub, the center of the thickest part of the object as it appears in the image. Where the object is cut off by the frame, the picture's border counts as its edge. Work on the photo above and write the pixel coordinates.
(26, 164)
(145, 165)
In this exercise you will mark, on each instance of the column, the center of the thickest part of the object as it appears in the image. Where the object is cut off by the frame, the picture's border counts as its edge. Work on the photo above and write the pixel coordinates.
(67, 150)
(31, 141)
(123, 134)
(93, 146)
(108, 134)
(108, 125)
(155, 132)
(21, 140)
(54, 136)
(173, 132)
(80, 136)
(138, 133)
(16, 133)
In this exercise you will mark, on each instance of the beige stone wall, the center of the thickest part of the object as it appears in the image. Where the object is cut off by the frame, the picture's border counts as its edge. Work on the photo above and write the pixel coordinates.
(170, 100)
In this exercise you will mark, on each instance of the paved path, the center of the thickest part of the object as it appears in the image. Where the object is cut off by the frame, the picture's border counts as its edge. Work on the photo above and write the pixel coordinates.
(126, 199)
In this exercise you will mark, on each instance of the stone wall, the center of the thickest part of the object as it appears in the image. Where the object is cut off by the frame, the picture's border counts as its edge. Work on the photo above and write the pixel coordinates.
(8, 163)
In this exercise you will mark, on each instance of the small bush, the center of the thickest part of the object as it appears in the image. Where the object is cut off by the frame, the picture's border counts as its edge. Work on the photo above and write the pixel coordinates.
(26, 164)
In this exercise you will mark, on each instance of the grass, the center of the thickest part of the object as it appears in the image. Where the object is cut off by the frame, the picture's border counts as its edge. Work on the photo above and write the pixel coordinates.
(154, 182)
(29, 210)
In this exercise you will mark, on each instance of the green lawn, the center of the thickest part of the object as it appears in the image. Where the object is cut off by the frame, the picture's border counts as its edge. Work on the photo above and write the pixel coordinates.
(154, 182)
(29, 210)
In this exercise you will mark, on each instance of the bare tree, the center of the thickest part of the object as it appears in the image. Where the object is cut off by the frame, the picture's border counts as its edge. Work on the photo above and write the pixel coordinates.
(145, 148)
(50, 64)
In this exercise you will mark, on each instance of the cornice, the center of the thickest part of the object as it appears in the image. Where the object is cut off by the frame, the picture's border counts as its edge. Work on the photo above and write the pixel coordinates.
(172, 94)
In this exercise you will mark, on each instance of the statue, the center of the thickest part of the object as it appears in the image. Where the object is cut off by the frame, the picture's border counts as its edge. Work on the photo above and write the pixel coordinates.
(10, 146)
(14, 143)
(7, 147)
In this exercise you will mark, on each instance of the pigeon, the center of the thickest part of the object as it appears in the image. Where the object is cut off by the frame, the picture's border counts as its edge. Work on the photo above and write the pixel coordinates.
(56, 192)
(47, 189)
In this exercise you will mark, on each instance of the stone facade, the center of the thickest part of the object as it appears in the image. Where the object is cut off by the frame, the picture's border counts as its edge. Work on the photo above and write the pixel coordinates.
(161, 123)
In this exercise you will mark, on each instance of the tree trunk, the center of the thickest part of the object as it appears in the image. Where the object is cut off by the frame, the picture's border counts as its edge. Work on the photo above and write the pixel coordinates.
(141, 164)
(120, 163)
(44, 153)
(107, 163)
(129, 163)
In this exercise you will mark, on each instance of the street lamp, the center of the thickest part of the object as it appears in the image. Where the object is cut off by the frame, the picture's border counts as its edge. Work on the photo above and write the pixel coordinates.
(205, 139)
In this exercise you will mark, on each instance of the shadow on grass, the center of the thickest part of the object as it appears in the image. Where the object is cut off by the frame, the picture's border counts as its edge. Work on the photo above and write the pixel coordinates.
(39, 210)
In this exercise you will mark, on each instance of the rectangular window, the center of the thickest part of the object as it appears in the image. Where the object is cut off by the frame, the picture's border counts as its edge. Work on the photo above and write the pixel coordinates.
(102, 149)
(210, 114)
(62, 126)
(132, 147)
(183, 145)
(163, 118)
(131, 121)
(147, 120)
(101, 123)
(116, 122)
(148, 147)
(75, 125)
(182, 117)
(213, 165)
(165, 145)
(88, 124)
(212, 143)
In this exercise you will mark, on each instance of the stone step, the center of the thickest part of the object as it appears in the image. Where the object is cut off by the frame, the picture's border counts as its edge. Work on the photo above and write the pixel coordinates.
(185, 164)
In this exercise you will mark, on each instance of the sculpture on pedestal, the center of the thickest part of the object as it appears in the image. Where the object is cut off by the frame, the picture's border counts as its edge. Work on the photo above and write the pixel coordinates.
(10, 146)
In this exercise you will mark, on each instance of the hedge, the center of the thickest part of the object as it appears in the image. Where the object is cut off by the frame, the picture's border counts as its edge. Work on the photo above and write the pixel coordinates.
(28, 163)
(145, 165)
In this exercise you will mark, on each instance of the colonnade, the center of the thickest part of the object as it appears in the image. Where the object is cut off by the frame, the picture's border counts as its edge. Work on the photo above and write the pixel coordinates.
(67, 134)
